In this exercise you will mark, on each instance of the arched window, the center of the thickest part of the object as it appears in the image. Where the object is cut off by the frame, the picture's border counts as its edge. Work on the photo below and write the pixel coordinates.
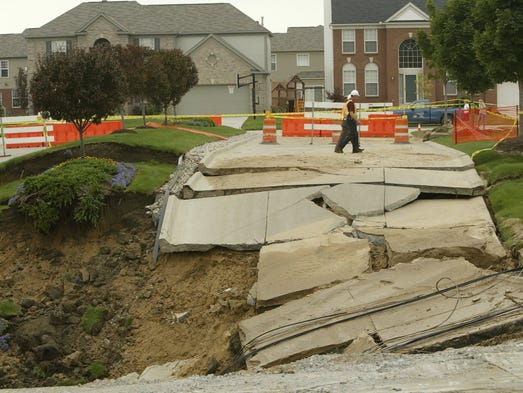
(349, 78)
(102, 43)
(410, 55)
(371, 80)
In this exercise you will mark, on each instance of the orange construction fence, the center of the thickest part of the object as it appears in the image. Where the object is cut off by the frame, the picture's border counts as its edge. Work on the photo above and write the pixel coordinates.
(485, 124)
(35, 135)
(377, 125)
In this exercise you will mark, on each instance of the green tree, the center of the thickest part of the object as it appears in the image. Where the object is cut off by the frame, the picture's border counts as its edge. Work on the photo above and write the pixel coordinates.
(170, 75)
(449, 47)
(81, 87)
(133, 63)
(21, 87)
(498, 41)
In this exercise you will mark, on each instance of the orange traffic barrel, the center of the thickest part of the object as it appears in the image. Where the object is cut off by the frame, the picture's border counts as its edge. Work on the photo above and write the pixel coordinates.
(401, 131)
(269, 130)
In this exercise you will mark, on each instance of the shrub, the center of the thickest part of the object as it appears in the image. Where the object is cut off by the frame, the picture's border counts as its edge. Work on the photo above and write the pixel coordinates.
(92, 320)
(77, 187)
(9, 309)
(96, 369)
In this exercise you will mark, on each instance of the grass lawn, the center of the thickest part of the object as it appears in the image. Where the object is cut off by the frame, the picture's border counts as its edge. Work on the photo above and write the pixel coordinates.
(150, 175)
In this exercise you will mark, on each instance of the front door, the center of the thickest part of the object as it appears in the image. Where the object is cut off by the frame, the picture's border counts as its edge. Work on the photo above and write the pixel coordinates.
(410, 88)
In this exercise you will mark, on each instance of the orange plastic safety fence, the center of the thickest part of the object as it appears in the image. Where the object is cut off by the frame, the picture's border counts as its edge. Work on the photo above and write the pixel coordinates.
(485, 124)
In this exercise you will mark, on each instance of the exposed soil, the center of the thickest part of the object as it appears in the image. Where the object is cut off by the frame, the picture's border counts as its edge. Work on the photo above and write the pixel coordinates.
(55, 278)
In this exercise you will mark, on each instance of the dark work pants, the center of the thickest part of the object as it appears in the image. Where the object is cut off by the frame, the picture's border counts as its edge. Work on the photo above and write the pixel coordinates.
(349, 134)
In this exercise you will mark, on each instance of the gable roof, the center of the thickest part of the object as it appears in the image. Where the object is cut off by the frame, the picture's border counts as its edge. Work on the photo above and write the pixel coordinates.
(12, 46)
(137, 19)
(298, 39)
(373, 11)
(222, 42)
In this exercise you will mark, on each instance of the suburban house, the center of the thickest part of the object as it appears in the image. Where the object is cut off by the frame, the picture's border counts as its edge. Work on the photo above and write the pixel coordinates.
(297, 67)
(222, 41)
(371, 46)
(13, 56)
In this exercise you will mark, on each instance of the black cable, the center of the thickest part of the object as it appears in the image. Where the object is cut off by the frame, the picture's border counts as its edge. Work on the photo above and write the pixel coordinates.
(352, 317)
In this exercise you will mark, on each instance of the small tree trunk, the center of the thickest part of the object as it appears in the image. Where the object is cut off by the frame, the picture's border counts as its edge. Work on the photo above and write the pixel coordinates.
(82, 146)
(165, 114)
(122, 115)
(142, 104)
(520, 82)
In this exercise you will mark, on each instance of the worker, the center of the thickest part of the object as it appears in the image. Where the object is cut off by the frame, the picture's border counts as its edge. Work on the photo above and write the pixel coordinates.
(349, 125)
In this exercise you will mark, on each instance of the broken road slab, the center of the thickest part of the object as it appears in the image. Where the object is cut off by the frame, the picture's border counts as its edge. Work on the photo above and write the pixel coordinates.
(353, 200)
(400, 305)
(431, 181)
(288, 271)
(199, 185)
(244, 222)
(253, 156)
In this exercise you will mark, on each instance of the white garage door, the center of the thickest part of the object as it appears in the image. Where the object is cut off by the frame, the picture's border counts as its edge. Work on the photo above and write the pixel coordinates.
(215, 100)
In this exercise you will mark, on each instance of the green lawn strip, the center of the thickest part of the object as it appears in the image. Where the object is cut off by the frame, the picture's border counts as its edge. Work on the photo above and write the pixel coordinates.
(150, 176)
(7, 191)
(507, 203)
(467, 147)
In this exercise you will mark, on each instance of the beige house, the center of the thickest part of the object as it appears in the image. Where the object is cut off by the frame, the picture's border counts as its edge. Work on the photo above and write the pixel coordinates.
(370, 46)
(13, 56)
(221, 40)
(297, 64)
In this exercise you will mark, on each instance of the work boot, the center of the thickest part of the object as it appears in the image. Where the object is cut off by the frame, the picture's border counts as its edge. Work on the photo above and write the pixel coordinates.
(358, 150)
(338, 150)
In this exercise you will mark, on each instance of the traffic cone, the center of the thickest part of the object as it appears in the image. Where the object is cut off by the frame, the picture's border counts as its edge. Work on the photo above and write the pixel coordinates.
(419, 127)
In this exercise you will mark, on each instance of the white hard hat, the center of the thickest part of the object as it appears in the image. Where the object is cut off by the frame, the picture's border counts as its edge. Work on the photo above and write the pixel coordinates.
(354, 93)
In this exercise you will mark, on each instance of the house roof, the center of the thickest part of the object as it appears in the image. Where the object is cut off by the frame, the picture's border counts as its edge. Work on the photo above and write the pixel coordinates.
(12, 46)
(372, 11)
(135, 19)
(298, 39)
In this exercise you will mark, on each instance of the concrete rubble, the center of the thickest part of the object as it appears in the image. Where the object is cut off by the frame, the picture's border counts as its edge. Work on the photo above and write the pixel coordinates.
(290, 270)
(295, 203)
(428, 303)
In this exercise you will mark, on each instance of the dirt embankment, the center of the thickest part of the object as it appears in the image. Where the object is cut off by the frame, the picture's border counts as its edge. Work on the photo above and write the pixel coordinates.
(58, 278)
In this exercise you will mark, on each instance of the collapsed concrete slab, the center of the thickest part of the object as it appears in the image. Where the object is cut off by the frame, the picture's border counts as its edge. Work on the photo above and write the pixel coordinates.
(352, 200)
(199, 185)
(290, 270)
(436, 228)
(252, 156)
(432, 181)
(427, 303)
(477, 244)
(244, 222)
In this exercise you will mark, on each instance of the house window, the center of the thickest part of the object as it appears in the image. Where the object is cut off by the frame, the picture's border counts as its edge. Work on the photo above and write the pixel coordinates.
(59, 46)
(274, 62)
(349, 78)
(371, 41)
(16, 99)
(410, 55)
(4, 68)
(348, 38)
(302, 60)
(149, 42)
(371, 80)
(451, 88)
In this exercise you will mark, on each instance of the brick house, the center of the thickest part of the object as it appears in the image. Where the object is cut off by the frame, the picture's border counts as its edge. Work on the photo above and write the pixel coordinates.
(221, 40)
(13, 56)
(297, 64)
(370, 46)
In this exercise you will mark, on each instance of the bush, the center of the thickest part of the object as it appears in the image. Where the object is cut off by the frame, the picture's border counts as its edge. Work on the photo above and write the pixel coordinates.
(96, 369)
(9, 309)
(77, 188)
(92, 320)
